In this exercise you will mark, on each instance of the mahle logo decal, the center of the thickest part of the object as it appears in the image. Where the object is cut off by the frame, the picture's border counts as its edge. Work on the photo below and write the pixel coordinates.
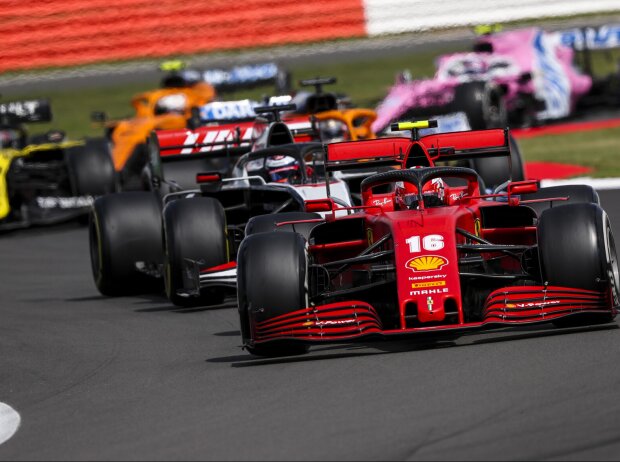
(427, 263)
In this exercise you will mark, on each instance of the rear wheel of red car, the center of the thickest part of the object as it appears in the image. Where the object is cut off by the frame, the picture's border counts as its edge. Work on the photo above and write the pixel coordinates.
(125, 228)
(272, 280)
(576, 249)
(195, 229)
(495, 171)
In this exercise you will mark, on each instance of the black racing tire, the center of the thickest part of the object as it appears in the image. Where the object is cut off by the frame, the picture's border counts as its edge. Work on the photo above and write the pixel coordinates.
(194, 228)
(578, 193)
(91, 170)
(576, 249)
(131, 173)
(495, 171)
(125, 228)
(267, 223)
(272, 279)
(483, 103)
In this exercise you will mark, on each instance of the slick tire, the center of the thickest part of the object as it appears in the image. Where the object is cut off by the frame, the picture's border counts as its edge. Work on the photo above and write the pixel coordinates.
(272, 279)
(483, 103)
(91, 170)
(576, 249)
(194, 228)
(125, 228)
(267, 223)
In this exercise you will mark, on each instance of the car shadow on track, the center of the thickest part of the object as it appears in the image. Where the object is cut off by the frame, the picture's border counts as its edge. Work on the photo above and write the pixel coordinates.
(335, 351)
(228, 303)
(537, 332)
(43, 230)
(381, 347)
(228, 333)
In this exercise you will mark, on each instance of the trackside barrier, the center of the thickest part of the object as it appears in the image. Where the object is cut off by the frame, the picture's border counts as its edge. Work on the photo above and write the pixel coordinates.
(71, 32)
(58, 33)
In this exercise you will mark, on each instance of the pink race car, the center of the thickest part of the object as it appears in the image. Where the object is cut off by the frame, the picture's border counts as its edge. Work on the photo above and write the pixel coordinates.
(519, 77)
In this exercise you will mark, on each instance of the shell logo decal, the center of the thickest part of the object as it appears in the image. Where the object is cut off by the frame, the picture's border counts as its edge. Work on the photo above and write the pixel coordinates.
(427, 263)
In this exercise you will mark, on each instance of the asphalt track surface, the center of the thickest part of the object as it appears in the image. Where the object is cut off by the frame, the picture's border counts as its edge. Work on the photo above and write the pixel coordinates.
(95, 378)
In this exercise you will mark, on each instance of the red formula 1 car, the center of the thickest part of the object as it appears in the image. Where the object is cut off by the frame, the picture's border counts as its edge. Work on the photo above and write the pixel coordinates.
(428, 253)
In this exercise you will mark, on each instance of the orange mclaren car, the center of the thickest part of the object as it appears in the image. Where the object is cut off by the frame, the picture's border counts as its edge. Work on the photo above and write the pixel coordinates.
(170, 107)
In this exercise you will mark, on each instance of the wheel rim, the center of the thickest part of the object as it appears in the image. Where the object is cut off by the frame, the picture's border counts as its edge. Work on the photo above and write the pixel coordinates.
(168, 278)
(613, 269)
(96, 260)
(496, 111)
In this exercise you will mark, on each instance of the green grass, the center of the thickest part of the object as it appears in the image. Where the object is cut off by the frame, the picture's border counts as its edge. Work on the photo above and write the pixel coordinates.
(598, 149)
(366, 82)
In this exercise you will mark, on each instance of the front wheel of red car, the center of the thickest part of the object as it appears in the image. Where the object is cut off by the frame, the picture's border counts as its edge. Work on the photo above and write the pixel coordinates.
(576, 249)
(495, 171)
(272, 280)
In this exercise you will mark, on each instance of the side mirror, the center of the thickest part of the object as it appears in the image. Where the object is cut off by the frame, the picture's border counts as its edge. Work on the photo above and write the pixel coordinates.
(98, 117)
(522, 187)
(319, 205)
(209, 177)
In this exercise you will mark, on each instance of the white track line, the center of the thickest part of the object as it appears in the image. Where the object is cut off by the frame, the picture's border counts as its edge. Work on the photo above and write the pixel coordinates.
(596, 183)
(9, 422)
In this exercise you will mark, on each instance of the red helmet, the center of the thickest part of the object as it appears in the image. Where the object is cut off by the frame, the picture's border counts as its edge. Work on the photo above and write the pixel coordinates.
(433, 194)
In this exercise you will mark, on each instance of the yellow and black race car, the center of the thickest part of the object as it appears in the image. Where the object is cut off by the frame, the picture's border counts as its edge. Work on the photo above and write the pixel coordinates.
(46, 178)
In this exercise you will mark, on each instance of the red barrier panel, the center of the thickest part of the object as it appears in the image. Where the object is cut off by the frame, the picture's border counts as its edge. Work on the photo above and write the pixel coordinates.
(70, 32)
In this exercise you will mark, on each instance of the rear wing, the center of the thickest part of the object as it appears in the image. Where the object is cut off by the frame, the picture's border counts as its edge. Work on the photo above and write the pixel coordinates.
(379, 152)
(236, 110)
(219, 139)
(35, 110)
(207, 139)
(592, 38)
(249, 76)
(589, 38)
(425, 151)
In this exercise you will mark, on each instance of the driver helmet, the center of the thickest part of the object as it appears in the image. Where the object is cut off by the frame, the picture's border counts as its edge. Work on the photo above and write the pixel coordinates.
(433, 194)
(171, 104)
(333, 130)
(283, 169)
(11, 138)
(467, 67)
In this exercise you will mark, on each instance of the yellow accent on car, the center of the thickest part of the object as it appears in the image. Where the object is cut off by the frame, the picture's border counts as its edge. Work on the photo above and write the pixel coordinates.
(427, 263)
(421, 285)
(486, 29)
(5, 162)
(7, 156)
(412, 125)
(172, 65)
